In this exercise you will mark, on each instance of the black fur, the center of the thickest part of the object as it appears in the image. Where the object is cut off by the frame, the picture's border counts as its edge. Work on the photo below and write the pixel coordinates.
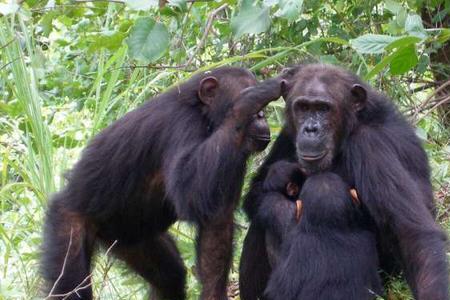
(330, 254)
(380, 155)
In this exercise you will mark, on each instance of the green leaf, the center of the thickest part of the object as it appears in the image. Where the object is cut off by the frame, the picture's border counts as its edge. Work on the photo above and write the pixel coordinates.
(404, 60)
(393, 6)
(110, 40)
(148, 40)
(422, 65)
(181, 4)
(401, 17)
(141, 4)
(289, 9)
(371, 43)
(414, 26)
(380, 66)
(250, 19)
(444, 35)
(402, 42)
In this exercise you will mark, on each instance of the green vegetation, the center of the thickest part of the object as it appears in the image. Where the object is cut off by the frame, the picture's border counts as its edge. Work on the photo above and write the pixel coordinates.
(69, 68)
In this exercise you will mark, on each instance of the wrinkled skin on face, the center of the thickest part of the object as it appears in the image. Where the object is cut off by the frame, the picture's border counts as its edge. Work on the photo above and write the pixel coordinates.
(321, 107)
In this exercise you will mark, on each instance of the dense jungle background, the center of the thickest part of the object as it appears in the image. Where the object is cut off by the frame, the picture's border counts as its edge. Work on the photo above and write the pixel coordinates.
(69, 68)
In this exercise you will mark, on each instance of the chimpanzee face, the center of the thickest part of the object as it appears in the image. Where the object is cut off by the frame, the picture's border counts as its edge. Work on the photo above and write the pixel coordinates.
(318, 104)
(218, 93)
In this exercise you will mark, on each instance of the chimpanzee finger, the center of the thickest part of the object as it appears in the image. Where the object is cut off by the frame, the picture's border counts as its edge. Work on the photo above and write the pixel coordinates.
(255, 98)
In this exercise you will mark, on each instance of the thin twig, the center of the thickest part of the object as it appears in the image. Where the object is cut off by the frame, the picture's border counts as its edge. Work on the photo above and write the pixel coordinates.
(8, 43)
(4, 66)
(443, 101)
(429, 98)
(63, 266)
(208, 26)
(81, 285)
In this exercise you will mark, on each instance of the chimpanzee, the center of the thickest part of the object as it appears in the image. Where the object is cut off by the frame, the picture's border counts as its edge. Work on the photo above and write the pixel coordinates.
(182, 155)
(283, 181)
(335, 122)
(331, 253)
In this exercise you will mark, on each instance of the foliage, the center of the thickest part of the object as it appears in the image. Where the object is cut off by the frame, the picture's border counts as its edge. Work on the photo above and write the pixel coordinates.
(69, 68)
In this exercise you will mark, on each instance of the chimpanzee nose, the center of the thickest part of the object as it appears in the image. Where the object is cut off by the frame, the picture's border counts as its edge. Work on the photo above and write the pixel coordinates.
(311, 128)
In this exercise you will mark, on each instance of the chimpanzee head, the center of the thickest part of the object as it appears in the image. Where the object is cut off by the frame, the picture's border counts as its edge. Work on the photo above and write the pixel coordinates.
(217, 91)
(327, 202)
(322, 105)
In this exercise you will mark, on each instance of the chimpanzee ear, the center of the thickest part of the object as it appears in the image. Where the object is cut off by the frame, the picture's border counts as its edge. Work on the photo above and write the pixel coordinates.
(285, 89)
(208, 89)
(360, 96)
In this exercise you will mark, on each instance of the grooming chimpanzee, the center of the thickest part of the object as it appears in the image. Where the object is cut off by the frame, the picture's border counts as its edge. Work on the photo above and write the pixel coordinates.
(182, 155)
(330, 254)
(337, 123)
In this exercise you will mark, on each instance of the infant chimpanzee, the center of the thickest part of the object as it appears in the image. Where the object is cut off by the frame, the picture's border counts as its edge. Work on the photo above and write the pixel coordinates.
(319, 245)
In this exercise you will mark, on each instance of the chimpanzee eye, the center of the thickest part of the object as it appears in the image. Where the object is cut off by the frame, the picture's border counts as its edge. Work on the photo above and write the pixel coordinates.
(299, 106)
(323, 107)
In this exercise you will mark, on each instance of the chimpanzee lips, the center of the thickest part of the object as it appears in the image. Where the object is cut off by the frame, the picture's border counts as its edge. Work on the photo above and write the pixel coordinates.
(313, 157)
(262, 138)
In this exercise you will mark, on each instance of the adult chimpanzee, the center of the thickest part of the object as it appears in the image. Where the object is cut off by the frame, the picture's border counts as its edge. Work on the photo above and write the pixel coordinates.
(181, 155)
(336, 122)
(336, 259)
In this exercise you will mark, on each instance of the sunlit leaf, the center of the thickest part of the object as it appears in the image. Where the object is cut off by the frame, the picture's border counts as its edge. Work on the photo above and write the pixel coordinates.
(403, 42)
(148, 40)
(404, 60)
(371, 43)
(8, 8)
(414, 26)
(141, 4)
(289, 9)
(251, 19)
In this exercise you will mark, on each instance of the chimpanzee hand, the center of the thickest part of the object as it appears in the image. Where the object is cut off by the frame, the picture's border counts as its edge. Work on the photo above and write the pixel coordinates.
(253, 99)
(280, 174)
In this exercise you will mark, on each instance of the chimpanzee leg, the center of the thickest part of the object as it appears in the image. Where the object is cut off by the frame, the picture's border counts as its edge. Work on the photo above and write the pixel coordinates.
(254, 269)
(214, 254)
(67, 254)
(157, 260)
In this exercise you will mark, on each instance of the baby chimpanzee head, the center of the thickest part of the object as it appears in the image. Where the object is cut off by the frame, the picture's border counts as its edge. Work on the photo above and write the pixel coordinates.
(327, 202)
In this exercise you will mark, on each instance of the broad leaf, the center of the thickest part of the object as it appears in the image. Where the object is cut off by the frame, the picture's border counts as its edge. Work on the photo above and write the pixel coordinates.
(251, 19)
(141, 4)
(402, 42)
(444, 35)
(393, 6)
(404, 60)
(110, 40)
(289, 9)
(148, 40)
(371, 43)
(414, 26)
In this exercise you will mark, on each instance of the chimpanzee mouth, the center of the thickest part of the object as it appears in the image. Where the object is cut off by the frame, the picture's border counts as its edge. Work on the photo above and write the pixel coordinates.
(313, 157)
(262, 138)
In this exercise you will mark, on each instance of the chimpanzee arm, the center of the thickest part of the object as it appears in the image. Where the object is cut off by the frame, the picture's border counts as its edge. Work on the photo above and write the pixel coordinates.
(254, 268)
(283, 149)
(206, 175)
(277, 214)
(392, 188)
